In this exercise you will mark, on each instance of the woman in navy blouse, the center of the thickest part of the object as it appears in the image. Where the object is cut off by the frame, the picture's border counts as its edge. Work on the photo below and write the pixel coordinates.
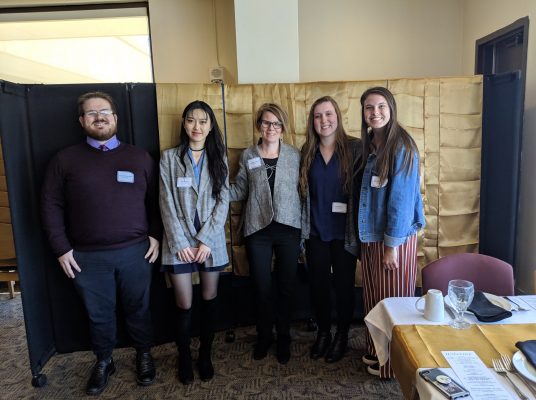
(327, 171)
(390, 209)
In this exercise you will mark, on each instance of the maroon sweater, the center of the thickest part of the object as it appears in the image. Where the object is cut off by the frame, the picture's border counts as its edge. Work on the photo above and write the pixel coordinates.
(95, 200)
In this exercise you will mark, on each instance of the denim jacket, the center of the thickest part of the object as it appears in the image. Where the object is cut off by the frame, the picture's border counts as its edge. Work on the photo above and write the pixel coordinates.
(391, 211)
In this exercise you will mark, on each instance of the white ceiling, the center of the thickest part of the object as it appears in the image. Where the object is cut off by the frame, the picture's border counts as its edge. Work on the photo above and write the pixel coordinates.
(89, 50)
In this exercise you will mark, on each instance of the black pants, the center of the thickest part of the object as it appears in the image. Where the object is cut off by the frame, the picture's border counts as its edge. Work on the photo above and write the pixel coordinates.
(284, 242)
(322, 258)
(106, 274)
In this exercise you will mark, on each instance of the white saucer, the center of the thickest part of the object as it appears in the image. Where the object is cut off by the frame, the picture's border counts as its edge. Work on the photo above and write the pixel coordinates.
(523, 366)
(496, 300)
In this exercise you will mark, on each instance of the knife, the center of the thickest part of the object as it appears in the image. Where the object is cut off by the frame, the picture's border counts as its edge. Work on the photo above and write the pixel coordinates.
(450, 311)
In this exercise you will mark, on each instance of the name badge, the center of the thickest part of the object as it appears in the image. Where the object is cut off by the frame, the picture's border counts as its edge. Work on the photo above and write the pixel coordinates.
(254, 163)
(338, 207)
(125, 177)
(375, 182)
(184, 181)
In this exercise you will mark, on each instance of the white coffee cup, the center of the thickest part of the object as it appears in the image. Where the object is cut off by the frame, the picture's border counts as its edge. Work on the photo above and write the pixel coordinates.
(434, 307)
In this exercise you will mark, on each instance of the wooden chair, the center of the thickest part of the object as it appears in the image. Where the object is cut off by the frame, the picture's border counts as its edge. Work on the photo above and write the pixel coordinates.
(8, 273)
(488, 274)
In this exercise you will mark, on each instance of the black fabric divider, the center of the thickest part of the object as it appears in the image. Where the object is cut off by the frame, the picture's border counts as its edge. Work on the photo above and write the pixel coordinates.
(502, 129)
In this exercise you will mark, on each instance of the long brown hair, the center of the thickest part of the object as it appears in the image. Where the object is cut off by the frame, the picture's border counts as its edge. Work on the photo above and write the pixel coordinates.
(312, 141)
(396, 137)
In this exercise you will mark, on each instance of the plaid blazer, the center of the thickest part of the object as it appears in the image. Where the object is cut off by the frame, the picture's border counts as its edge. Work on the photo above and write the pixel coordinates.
(178, 203)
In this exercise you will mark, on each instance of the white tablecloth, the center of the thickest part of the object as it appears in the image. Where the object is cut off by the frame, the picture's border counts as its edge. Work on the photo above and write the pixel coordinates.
(401, 311)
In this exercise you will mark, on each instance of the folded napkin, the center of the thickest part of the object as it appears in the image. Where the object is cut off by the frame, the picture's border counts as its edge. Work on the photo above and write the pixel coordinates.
(486, 311)
(528, 348)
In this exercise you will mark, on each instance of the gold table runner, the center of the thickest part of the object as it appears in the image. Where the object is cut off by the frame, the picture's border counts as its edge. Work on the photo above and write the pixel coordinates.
(420, 346)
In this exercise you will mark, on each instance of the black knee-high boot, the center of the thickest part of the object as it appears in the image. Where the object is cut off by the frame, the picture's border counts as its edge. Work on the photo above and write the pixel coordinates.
(186, 373)
(206, 337)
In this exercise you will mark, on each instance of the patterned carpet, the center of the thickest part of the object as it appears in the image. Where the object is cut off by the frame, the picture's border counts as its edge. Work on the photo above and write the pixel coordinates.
(238, 376)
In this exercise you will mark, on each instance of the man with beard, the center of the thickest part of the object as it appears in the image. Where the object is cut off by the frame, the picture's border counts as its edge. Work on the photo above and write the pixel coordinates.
(100, 213)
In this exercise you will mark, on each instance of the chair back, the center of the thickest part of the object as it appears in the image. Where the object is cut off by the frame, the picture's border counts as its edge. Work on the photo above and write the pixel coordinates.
(488, 274)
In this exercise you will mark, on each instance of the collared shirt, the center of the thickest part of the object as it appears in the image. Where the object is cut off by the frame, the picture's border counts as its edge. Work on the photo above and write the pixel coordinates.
(111, 143)
(390, 211)
(325, 189)
(197, 167)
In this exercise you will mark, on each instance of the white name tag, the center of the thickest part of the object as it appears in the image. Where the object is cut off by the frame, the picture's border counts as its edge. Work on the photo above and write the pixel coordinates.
(254, 163)
(184, 181)
(375, 182)
(125, 177)
(338, 207)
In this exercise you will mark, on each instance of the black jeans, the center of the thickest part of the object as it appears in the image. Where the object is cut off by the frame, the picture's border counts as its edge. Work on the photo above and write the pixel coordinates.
(322, 257)
(284, 242)
(106, 273)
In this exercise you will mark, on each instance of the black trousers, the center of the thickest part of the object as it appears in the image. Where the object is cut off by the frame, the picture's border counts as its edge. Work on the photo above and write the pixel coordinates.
(323, 258)
(106, 274)
(284, 242)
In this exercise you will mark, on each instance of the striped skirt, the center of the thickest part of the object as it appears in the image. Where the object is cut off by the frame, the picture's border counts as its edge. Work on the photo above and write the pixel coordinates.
(379, 283)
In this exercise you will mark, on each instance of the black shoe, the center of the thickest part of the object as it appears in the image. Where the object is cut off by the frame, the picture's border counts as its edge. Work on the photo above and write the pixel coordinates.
(99, 376)
(145, 371)
(204, 364)
(338, 347)
(283, 349)
(186, 372)
(323, 339)
(260, 350)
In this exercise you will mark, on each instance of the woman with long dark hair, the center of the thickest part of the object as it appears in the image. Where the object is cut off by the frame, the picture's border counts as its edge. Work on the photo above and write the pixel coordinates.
(390, 209)
(328, 169)
(194, 201)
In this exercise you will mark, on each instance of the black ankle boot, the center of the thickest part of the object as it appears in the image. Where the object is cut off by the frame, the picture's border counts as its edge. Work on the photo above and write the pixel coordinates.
(323, 340)
(206, 338)
(283, 348)
(185, 370)
(145, 370)
(99, 376)
(338, 347)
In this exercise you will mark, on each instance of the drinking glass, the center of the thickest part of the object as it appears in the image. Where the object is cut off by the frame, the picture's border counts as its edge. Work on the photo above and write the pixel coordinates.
(460, 295)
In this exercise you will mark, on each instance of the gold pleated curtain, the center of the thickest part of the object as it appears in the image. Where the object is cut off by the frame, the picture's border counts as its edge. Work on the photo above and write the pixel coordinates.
(444, 116)
(7, 247)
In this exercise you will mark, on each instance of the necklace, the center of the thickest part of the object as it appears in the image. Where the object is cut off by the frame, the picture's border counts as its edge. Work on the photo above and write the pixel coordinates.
(196, 149)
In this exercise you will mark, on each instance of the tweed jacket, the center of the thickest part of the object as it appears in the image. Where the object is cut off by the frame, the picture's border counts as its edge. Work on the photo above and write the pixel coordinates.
(351, 240)
(252, 185)
(179, 200)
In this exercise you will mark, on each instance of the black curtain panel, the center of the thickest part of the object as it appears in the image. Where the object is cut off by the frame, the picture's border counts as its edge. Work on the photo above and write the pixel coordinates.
(36, 121)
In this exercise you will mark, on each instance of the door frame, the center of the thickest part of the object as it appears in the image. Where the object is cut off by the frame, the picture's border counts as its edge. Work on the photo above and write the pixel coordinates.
(522, 24)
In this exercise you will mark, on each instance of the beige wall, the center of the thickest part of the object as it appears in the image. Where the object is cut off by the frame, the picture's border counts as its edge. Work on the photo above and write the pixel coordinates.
(482, 17)
(362, 39)
(184, 43)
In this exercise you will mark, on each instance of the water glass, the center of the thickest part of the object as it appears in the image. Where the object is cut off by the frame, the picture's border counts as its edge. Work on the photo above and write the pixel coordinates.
(461, 295)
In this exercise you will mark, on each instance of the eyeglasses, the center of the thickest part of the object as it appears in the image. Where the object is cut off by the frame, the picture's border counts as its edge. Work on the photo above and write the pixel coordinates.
(275, 124)
(93, 113)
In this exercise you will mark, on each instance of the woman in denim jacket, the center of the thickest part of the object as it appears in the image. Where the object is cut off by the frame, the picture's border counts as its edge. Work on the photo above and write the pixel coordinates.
(390, 210)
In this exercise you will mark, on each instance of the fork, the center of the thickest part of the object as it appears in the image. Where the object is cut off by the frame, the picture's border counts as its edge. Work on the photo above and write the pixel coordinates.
(509, 367)
(501, 370)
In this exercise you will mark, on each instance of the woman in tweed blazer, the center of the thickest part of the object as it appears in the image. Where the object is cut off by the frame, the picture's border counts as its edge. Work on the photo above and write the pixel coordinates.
(268, 181)
(194, 201)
